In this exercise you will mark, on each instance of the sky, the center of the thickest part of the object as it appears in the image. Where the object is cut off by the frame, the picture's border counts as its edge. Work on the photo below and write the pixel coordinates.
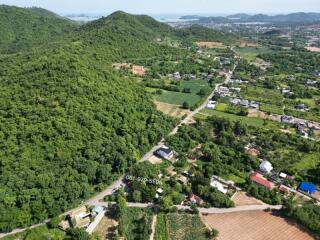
(171, 6)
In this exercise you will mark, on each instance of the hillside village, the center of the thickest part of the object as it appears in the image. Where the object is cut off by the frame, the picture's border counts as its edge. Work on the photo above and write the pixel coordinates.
(132, 129)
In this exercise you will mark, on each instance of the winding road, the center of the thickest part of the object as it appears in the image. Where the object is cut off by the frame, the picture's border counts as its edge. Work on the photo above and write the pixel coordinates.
(96, 199)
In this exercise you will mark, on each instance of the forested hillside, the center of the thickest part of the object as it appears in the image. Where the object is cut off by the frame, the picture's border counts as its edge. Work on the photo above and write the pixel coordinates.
(69, 124)
(23, 28)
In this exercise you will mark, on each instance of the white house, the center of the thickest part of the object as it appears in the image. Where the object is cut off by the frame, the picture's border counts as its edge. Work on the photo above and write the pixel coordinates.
(266, 166)
(219, 186)
(211, 104)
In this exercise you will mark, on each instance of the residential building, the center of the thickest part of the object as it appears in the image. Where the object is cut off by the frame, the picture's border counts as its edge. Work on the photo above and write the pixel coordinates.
(219, 186)
(266, 167)
(307, 187)
(260, 180)
(165, 153)
(80, 218)
(194, 199)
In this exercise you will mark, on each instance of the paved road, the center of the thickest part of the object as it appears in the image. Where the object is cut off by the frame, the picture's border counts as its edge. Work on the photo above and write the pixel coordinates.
(206, 210)
(117, 184)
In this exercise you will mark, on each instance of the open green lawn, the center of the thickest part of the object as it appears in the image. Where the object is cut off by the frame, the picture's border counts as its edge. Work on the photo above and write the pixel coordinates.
(308, 162)
(271, 108)
(194, 85)
(256, 122)
(262, 95)
(185, 227)
(178, 98)
(250, 53)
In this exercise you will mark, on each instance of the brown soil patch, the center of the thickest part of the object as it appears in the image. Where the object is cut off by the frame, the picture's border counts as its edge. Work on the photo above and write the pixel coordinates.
(257, 114)
(254, 225)
(243, 199)
(210, 44)
(106, 228)
(171, 110)
(155, 160)
(138, 70)
(244, 44)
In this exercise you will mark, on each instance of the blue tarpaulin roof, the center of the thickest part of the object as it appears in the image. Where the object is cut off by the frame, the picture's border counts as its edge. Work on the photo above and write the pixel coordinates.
(308, 187)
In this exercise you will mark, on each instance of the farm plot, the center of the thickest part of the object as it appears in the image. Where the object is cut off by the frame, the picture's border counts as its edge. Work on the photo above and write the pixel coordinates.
(243, 199)
(171, 110)
(262, 95)
(258, 225)
(178, 98)
(185, 227)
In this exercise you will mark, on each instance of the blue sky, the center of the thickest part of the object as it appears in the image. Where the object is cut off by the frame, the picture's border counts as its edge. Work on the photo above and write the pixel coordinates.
(171, 6)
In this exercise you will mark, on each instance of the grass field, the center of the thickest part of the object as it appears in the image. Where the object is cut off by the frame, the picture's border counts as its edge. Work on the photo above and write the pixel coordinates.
(256, 122)
(185, 227)
(271, 108)
(194, 85)
(250, 53)
(178, 98)
(134, 220)
(310, 161)
(262, 95)
(258, 225)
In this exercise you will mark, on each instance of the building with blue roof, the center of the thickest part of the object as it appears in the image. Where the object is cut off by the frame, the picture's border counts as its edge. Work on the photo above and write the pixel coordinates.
(309, 188)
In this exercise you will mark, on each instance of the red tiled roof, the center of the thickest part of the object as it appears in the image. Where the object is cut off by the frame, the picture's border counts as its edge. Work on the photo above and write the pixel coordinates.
(258, 178)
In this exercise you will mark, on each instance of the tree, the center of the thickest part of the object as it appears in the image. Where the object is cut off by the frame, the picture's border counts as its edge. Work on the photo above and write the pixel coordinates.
(54, 223)
(185, 105)
(77, 234)
(137, 196)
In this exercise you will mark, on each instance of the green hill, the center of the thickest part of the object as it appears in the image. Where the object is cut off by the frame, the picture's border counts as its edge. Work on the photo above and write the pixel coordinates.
(23, 28)
(70, 124)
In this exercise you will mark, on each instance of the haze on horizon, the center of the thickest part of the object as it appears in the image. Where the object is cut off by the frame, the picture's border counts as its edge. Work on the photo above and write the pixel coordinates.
(171, 6)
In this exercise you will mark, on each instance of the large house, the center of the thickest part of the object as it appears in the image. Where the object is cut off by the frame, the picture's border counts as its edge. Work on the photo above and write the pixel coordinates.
(260, 180)
(266, 167)
(80, 218)
(165, 153)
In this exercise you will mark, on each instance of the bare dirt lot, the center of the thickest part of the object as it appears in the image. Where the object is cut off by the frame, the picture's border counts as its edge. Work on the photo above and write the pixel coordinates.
(254, 225)
(313, 49)
(244, 44)
(243, 199)
(155, 160)
(210, 44)
(106, 228)
(171, 110)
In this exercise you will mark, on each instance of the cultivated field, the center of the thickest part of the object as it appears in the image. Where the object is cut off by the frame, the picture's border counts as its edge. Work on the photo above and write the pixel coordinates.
(171, 110)
(254, 225)
(210, 44)
(185, 227)
(242, 199)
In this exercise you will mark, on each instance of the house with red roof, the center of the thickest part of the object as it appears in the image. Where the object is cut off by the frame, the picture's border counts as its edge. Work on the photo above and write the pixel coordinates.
(262, 181)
